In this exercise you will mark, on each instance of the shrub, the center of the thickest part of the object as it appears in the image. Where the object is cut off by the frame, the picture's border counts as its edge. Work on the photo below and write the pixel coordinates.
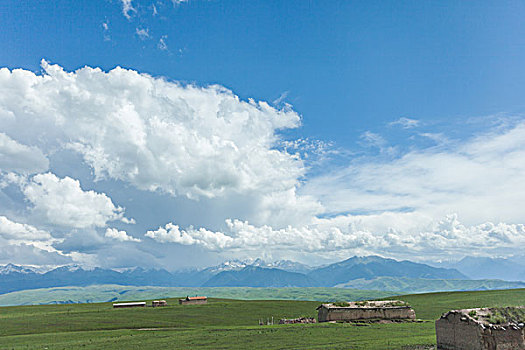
(503, 315)
(341, 303)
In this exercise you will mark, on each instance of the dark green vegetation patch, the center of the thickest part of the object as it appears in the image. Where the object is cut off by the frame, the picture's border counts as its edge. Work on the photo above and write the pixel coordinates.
(502, 315)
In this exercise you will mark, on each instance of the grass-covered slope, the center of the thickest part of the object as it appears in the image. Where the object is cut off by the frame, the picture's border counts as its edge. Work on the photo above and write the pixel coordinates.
(102, 293)
(221, 324)
(321, 336)
(225, 324)
(424, 285)
(432, 305)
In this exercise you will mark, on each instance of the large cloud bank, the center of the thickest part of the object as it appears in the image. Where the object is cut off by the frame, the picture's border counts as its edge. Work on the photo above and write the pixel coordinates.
(135, 130)
(205, 148)
(154, 134)
(453, 199)
(418, 237)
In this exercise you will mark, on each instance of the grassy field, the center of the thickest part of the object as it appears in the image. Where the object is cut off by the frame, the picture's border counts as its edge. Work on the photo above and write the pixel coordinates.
(225, 324)
(102, 293)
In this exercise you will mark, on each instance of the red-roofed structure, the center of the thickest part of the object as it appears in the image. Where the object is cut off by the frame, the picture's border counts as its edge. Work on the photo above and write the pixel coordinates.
(193, 300)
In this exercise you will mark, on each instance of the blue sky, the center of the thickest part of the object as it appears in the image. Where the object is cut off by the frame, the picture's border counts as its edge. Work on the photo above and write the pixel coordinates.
(394, 129)
(348, 67)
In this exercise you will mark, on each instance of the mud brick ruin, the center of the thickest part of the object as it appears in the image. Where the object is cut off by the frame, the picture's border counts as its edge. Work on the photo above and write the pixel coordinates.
(366, 310)
(482, 329)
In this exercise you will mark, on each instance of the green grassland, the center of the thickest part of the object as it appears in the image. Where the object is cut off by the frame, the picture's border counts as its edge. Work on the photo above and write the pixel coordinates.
(101, 293)
(406, 285)
(430, 306)
(226, 324)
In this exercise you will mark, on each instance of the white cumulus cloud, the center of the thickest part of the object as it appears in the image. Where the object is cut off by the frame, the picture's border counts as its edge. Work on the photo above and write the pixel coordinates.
(223, 157)
(63, 202)
(401, 235)
(154, 134)
(16, 231)
(37, 244)
(408, 206)
(23, 159)
(121, 236)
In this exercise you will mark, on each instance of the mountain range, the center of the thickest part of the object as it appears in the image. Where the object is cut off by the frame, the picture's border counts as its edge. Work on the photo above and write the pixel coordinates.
(374, 266)
(510, 269)
(370, 272)
(235, 273)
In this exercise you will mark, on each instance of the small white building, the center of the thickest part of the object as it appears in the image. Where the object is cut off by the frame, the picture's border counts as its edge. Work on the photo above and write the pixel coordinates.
(134, 304)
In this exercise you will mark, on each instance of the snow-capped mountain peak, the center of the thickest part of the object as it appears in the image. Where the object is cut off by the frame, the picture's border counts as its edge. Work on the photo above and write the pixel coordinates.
(12, 268)
(235, 265)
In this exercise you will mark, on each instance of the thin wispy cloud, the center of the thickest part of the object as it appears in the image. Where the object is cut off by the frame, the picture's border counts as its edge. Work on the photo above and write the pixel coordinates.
(278, 101)
(127, 9)
(162, 43)
(105, 30)
(406, 123)
(438, 138)
(374, 140)
(142, 33)
(178, 2)
(477, 178)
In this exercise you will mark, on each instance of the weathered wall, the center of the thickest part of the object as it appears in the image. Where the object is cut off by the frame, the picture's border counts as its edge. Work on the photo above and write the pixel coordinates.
(454, 334)
(352, 314)
(508, 339)
(322, 314)
(455, 331)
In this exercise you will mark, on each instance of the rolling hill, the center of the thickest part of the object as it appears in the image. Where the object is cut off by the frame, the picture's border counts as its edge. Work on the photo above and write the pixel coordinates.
(425, 285)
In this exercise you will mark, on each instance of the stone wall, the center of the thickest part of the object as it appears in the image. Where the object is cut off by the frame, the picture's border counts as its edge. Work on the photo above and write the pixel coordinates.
(331, 313)
(456, 331)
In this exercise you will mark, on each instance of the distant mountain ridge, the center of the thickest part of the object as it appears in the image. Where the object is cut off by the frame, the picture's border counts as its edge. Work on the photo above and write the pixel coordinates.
(237, 265)
(11, 268)
(254, 276)
(374, 266)
(510, 269)
(353, 272)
